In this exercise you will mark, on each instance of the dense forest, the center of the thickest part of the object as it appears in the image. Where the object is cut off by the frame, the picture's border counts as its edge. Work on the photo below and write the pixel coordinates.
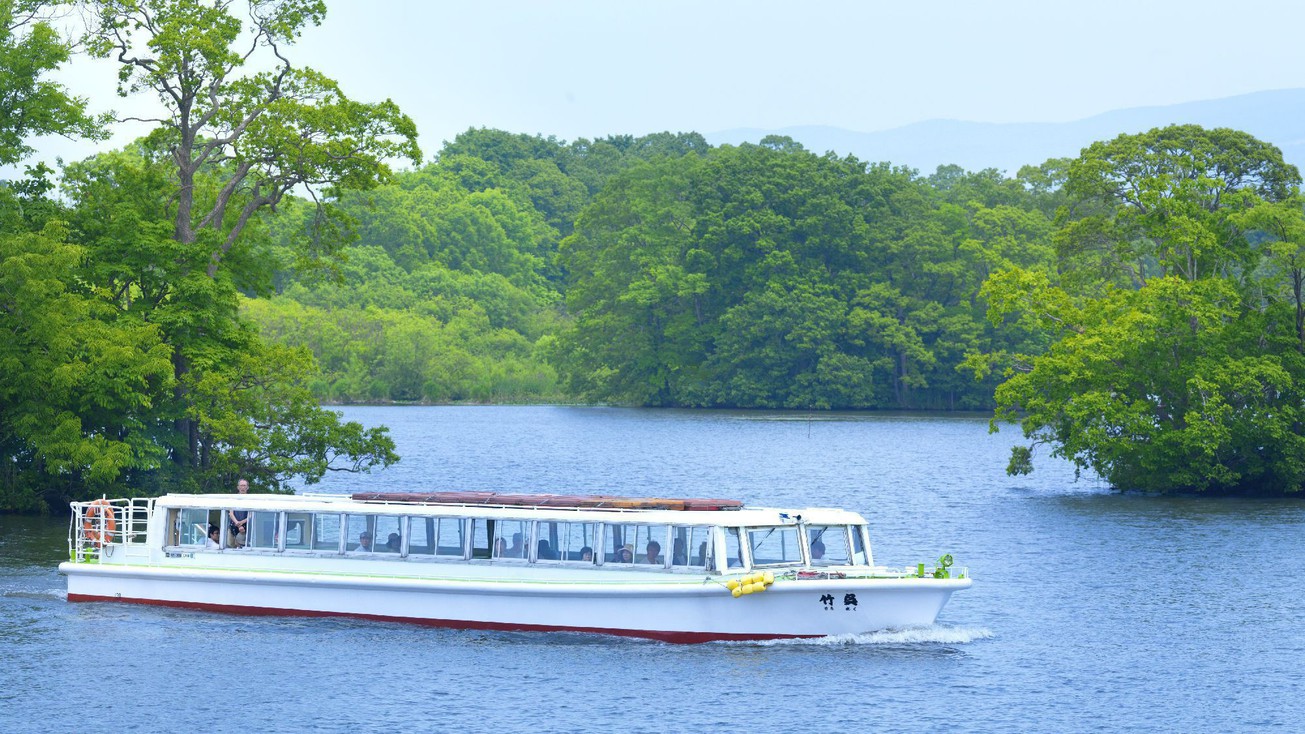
(1138, 309)
(175, 312)
(661, 271)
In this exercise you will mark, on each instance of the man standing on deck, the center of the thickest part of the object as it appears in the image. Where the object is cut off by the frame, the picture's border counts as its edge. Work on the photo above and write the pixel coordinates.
(239, 519)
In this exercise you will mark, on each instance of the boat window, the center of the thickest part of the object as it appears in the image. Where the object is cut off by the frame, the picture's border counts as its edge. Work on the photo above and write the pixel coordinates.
(389, 539)
(566, 541)
(637, 544)
(690, 547)
(421, 536)
(326, 532)
(298, 531)
(174, 524)
(773, 546)
(619, 544)
(546, 541)
(481, 530)
(652, 545)
(360, 533)
(511, 539)
(192, 526)
(859, 555)
(264, 529)
(828, 545)
(733, 549)
(450, 537)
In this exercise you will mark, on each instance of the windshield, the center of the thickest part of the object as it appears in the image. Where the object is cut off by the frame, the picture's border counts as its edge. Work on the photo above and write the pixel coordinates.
(775, 546)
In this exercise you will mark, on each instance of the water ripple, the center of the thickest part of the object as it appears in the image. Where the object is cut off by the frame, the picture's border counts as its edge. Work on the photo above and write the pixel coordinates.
(1091, 611)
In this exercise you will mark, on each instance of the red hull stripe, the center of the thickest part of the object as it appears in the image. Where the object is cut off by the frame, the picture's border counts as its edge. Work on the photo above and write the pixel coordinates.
(665, 636)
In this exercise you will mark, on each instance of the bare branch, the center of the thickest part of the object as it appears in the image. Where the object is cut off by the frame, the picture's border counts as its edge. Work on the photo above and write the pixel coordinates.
(255, 203)
(215, 216)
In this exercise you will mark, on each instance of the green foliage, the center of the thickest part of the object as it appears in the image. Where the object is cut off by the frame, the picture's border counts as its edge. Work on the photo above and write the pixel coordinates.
(453, 289)
(173, 320)
(426, 217)
(255, 136)
(372, 354)
(78, 384)
(1176, 355)
(137, 367)
(1156, 389)
(1159, 203)
(234, 144)
(1021, 461)
(440, 301)
(30, 103)
(259, 420)
(765, 276)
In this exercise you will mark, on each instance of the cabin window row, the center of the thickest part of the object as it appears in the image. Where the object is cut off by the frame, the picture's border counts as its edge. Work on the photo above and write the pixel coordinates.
(453, 538)
(668, 546)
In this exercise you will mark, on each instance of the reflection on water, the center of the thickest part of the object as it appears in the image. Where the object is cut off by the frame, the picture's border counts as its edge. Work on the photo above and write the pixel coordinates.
(1091, 611)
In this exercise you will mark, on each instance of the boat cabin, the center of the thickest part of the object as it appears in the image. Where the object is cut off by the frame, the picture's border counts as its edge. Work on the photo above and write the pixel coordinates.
(576, 531)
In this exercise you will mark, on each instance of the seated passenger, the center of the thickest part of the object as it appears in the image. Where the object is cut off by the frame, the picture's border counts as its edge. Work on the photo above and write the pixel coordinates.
(817, 551)
(364, 543)
(625, 554)
(702, 553)
(679, 556)
(545, 552)
(500, 547)
(587, 554)
(392, 544)
(518, 549)
(653, 551)
(214, 535)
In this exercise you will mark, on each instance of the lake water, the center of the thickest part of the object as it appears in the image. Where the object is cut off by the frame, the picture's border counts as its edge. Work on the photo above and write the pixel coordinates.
(1091, 611)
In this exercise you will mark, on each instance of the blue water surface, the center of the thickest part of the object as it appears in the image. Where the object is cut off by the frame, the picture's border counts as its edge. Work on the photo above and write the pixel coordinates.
(1091, 611)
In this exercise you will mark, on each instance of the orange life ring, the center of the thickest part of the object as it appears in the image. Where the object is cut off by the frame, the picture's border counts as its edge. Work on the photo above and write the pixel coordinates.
(99, 522)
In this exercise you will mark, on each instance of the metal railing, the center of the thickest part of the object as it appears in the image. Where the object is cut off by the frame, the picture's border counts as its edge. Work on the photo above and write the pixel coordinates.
(97, 528)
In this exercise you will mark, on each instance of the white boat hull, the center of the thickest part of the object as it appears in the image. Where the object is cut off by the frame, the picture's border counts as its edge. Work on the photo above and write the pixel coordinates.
(676, 609)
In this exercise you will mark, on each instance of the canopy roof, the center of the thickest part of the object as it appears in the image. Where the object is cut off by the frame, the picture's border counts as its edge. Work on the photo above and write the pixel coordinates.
(500, 499)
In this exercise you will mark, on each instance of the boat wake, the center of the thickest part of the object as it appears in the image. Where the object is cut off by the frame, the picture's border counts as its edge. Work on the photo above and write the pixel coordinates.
(931, 635)
(46, 595)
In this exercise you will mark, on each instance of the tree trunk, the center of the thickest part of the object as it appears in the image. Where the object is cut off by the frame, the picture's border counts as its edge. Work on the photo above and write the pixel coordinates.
(183, 456)
(1297, 277)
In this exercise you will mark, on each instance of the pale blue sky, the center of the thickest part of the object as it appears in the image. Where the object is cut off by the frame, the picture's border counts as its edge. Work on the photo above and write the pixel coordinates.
(590, 68)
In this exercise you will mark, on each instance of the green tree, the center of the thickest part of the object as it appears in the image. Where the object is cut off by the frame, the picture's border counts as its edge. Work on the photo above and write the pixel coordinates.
(1176, 363)
(257, 136)
(636, 303)
(1158, 203)
(1279, 229)
(80, 383)
(1162, 388)
(230, 146)
(30, 102)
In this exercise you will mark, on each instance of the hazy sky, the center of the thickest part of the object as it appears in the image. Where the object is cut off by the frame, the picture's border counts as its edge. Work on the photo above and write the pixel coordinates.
(592, 68)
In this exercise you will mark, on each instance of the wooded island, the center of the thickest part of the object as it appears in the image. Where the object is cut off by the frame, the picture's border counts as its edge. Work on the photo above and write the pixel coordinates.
(175, 312)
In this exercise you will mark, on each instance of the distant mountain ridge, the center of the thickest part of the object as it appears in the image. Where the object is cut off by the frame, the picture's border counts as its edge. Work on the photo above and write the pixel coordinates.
(1276, 117)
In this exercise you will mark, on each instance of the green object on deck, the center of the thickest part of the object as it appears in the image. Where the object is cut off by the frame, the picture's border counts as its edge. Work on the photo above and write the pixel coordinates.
(944, 563)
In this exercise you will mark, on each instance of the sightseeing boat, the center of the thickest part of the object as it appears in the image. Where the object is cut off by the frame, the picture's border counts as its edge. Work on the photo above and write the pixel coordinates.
(680, 570)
